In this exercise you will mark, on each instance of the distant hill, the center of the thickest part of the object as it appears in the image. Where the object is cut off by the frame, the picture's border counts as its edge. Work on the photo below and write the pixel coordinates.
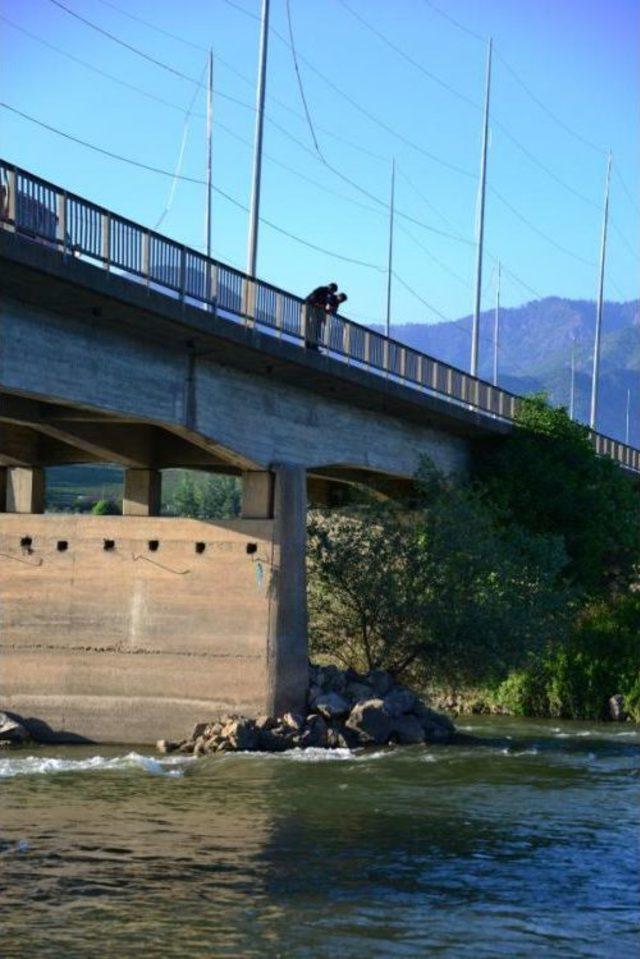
(535, 352)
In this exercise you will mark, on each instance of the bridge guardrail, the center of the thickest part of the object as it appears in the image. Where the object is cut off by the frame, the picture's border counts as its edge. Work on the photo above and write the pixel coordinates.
(47, 213)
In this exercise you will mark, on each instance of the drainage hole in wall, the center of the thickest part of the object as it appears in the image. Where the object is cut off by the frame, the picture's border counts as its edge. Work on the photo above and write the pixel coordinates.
(200, 547)
(109, 544)
(62, 545)
(252, 548)
(26, 542)
(153, 544)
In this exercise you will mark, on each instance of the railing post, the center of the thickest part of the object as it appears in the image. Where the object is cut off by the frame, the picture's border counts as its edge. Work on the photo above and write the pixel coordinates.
(105, 245)
(403, 362)
(346, 341)
(367, 347)
(249, 304)
(419, 369)
(449, 382)
(146, 256)
(279, 314)
(304, 319)
(61, 220)
(11, 198)
(183, 258)
(385, 356)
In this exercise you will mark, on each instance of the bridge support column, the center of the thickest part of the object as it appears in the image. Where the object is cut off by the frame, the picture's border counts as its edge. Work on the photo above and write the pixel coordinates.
(141, 493)
(281, 495)
(287, 651)
(25, 490)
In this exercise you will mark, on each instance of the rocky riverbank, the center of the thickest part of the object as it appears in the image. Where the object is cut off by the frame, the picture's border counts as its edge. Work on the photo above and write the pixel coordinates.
(344, 709)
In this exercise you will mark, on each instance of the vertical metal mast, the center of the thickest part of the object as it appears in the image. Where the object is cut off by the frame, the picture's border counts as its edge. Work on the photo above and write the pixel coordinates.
(626, 431)
(572, 388)
(254, 214)
(496, 328)
(390, 264)
(207, 227)
(596, 345)
(482, 193)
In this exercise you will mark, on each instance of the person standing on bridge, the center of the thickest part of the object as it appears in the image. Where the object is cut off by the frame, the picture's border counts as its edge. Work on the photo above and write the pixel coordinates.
(317, 306)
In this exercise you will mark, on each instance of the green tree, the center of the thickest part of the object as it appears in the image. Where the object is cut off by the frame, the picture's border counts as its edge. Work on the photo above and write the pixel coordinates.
(220, 498)
(439, 591)
(546, 477)
(186, 501)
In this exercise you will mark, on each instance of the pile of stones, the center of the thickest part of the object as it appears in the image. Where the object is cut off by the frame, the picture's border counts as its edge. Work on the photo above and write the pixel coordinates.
(344, 709)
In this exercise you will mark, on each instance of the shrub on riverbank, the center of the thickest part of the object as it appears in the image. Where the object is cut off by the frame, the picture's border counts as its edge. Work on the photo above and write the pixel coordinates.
(440, 592)
(601, 658)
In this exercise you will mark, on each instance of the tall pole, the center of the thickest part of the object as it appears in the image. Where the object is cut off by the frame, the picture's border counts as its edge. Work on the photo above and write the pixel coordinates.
(475, 333)
(254, 213)
(572, 388)
(496, 328)
(626, 431)
(596, 345)
(390, 264)
(207, 228)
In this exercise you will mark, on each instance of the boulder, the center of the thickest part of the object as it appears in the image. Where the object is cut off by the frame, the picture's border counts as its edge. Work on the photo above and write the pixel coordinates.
(12, 731)
(294, 721)
(371, 721)
(314, 733)
(266, 722)
(407, 730)
(359, 692)
(274, 741)
(331, 679)
(400, 701)
(331, 705)
(242, 735)
(200, 729)
(381, 681)
(166, 746)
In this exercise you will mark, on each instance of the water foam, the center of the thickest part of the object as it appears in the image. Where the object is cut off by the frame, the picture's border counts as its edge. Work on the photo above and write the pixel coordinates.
(50, 765)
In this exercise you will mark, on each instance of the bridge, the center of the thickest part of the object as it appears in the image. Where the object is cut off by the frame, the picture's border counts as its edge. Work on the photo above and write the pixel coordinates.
(119, 345)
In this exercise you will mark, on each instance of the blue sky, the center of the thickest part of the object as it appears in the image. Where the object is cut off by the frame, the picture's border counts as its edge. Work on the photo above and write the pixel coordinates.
(580, 58)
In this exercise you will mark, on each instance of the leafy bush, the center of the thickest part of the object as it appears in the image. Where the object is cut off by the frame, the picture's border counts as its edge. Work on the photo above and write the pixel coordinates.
(547, 478)
(439, 591)
(575, 680)
(210, 497)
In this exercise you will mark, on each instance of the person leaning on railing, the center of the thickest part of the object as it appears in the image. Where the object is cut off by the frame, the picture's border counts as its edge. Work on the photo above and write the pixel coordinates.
(316, 307)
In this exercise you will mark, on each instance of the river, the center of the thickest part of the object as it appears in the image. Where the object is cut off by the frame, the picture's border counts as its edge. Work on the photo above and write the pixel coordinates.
(523, 845)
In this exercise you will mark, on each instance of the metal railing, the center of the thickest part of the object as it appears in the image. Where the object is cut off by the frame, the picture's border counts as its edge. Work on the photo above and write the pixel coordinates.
(48, 214)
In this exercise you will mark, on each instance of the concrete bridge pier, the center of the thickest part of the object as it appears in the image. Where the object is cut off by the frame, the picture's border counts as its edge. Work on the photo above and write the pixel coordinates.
(22, 489)
(131, 628)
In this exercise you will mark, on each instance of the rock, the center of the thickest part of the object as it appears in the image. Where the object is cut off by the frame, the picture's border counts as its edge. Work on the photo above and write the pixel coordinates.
(200, 729)
(407, 730)
(371, 721)
(166, 746)
(331, 705)
(294, 721)
(616, 708)
(359, 692)
(331, 679)
(271, 741)
(242, 735)
(314, 734)
(314, 692)
(266, 722)
(400, 701)
(333, 737)
(200, 746)
(349, 738)
(186, 746)
(12, 731)
(381, 681)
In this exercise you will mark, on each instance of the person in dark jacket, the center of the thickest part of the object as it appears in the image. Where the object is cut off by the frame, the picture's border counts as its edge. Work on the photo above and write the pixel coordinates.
(317, 307)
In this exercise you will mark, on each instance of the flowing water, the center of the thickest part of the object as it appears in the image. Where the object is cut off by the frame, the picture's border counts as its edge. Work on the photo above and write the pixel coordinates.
(524, 845)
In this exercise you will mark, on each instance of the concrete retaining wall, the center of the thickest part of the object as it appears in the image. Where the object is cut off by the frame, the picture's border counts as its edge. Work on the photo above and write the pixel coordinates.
(130, 643)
